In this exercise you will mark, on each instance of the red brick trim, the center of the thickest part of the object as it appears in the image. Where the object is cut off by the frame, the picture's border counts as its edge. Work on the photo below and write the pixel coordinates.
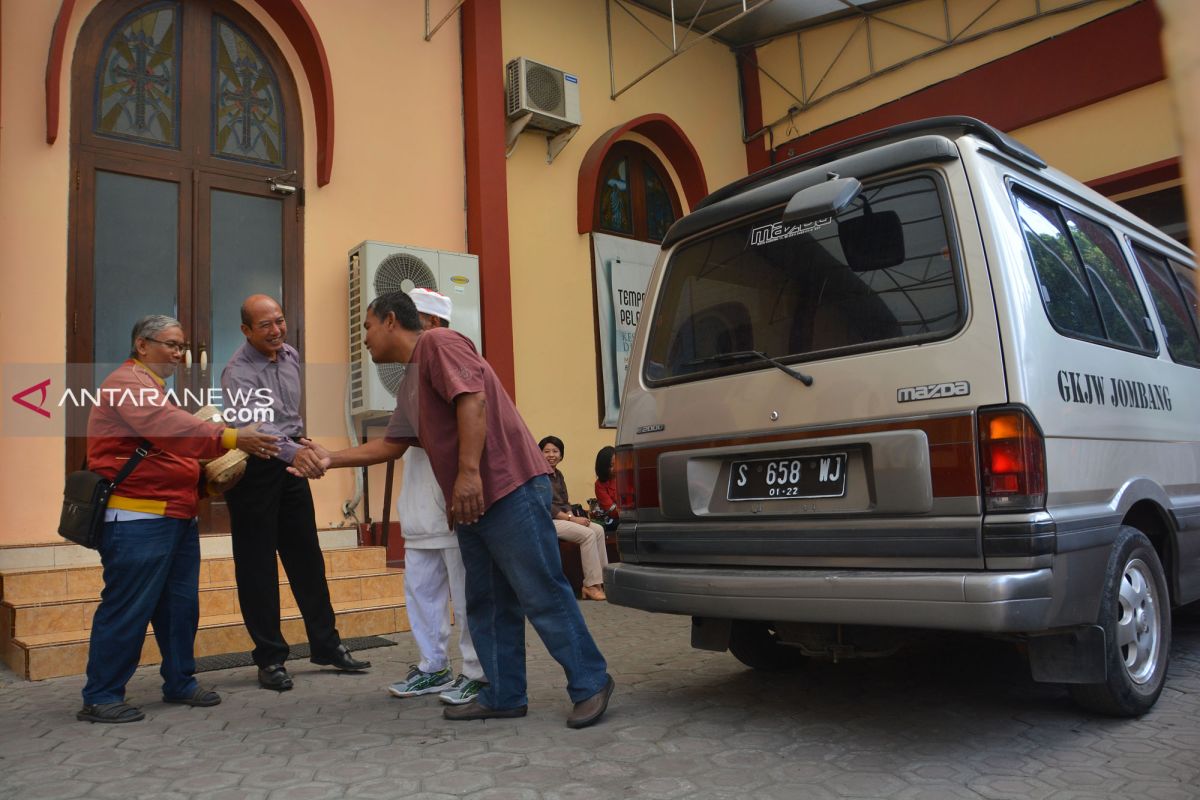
(1145, 175)
(296, 25)
(757, 156)
(54, 62)
(487, 180)
(668, 136)
(1105, 58)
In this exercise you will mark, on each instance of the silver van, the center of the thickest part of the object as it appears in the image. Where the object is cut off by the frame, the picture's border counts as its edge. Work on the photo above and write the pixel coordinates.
(917, 380)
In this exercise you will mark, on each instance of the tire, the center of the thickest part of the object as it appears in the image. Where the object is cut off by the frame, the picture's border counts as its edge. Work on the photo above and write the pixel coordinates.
(1135, 612)
(757, 646)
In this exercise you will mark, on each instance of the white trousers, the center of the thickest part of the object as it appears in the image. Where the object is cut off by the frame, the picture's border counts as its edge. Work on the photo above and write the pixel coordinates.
(433, 579)
(593, 555)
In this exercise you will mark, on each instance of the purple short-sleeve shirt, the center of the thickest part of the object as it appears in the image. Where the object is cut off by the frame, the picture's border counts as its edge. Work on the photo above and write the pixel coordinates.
(444, 365)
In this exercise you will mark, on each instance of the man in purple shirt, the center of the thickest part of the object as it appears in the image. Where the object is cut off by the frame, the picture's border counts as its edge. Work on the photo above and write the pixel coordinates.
(495, 481)
(271, 510)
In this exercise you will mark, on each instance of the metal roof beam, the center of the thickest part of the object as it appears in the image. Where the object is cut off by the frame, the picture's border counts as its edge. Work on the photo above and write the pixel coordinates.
(676, 48)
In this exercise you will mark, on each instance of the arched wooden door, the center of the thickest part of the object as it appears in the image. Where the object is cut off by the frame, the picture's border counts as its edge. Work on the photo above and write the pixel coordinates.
(185, 138)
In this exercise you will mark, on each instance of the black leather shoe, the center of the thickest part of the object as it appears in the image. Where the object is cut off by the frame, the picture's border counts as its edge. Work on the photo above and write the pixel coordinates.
(274, 677)
(476, 710)
(343, 660)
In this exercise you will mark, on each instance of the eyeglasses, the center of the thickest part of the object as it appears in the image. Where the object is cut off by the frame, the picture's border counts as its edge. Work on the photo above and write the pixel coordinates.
(178, 347)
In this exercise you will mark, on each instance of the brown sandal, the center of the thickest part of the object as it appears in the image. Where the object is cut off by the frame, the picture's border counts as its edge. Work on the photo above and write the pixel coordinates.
(594, 593)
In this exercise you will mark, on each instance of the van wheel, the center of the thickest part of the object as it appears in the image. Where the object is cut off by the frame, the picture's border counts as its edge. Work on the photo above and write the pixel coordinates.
(1135, 613)
(756, 645)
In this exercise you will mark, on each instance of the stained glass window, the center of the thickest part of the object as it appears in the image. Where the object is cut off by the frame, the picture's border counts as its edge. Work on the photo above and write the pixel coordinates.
(615, 204)
(247, 108)
(137, 81)
(659, 211)
(634, 197)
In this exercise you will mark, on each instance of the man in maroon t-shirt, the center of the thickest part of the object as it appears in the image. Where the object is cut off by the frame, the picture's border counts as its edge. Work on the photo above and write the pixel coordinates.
(498, 495)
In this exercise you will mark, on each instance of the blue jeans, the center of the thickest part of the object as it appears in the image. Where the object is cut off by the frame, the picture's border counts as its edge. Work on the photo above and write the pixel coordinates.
(151, 574)
(514, 571)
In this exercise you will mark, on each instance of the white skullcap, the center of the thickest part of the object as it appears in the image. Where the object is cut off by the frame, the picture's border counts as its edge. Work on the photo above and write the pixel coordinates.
(430, 302)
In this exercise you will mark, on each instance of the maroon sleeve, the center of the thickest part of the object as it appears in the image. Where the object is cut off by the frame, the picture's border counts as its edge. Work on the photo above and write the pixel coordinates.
(452, 367)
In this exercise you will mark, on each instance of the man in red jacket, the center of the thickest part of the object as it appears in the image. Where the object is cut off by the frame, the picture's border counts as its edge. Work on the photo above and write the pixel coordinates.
(151, 545)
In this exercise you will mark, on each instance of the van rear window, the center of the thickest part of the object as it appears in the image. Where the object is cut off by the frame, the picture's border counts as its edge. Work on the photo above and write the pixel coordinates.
(875, 276)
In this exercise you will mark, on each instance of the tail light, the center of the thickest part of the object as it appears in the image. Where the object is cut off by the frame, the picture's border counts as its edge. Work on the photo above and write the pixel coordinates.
(1012, 457)
(625, 471)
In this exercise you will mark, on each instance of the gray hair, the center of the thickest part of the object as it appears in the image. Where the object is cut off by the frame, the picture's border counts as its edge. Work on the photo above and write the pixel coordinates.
(147, 327)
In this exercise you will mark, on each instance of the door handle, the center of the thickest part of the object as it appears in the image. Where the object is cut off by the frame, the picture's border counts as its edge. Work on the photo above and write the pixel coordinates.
(187, 358)
(203, 357)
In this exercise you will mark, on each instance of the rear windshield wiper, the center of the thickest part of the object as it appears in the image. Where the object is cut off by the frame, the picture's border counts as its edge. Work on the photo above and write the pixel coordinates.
(743, 355)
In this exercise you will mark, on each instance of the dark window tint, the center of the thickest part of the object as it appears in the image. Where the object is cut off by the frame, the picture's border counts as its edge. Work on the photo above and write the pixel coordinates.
(1121, 307)
(1175, 301)
(1060, 276)
(876, 276)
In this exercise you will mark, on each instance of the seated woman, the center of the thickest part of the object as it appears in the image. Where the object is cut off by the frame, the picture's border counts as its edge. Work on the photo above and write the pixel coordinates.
(606, 489)
(593, 555)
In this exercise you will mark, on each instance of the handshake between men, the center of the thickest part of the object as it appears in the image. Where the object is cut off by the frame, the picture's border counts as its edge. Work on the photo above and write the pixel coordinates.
(494, 479)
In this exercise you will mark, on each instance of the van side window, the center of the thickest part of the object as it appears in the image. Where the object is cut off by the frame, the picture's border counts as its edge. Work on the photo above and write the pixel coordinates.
(1121, 306)
(1174, 293)
(1086, 285)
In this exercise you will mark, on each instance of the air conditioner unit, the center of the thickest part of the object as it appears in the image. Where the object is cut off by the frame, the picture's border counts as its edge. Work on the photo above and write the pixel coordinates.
(377, 268)
(550, 94)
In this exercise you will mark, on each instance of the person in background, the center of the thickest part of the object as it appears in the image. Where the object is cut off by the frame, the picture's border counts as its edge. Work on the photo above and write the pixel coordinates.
(271, 511)
(434, 575)
(606, 489)
(570, 527)
(151, 545)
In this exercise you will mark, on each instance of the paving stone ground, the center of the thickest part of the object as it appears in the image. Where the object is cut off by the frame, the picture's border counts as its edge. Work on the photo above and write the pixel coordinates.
(953, 718)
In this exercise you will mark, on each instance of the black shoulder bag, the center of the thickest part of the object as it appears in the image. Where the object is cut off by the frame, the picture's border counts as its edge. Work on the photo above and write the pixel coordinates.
(85, 499)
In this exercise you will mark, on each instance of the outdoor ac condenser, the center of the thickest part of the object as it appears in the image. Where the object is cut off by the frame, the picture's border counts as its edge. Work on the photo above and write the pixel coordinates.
(550, 94)
(377, 268)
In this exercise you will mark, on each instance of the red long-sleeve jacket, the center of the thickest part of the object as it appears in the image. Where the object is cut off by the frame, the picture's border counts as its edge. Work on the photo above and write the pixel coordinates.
(606, 496)
(134, 405)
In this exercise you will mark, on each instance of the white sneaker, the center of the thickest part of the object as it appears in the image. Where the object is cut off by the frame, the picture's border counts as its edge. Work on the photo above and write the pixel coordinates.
(419, 682)
(463, 691)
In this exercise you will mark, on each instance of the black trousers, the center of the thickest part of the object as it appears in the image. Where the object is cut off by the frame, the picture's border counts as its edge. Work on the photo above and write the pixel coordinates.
(271, 510)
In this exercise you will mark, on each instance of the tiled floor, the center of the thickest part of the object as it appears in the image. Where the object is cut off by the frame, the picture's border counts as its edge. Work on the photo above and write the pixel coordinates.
(955, 718)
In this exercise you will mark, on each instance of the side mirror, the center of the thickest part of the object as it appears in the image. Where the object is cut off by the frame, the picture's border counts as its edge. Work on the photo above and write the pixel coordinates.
(872, 241)
(821, 201)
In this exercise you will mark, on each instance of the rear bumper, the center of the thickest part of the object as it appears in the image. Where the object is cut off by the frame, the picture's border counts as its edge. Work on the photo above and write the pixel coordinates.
(1018, 601)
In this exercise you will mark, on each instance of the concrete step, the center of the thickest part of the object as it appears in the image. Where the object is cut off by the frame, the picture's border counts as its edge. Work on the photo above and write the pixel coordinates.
(64, 554)
(75, 614)
(46, 611)
(47, 584)
(41, 656)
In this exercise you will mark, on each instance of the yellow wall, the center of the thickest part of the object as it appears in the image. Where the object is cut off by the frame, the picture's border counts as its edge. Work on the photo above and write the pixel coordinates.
(1114, 135)
(552, 306)
(891, 45)
(397, 176)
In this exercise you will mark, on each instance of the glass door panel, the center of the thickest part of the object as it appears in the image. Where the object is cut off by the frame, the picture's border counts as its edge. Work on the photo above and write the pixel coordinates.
(135, 259)
(246, 241)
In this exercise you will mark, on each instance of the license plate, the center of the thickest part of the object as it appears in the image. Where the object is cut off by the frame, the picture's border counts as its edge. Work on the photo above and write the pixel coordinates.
(793, 477)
